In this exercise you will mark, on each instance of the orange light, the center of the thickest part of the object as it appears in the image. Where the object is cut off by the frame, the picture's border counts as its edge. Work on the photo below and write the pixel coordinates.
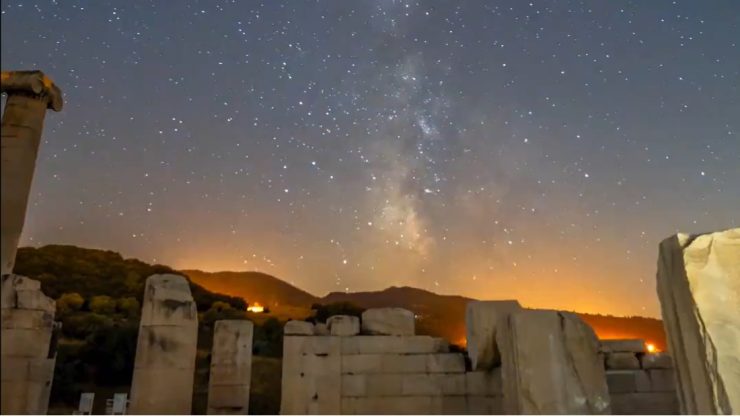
(256, 308)
(651, 348)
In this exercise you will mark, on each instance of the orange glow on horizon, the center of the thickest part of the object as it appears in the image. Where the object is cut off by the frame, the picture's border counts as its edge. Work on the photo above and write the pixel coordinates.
(651, 348)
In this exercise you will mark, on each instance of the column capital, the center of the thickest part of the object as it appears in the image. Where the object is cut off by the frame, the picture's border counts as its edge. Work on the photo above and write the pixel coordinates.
(34, 83)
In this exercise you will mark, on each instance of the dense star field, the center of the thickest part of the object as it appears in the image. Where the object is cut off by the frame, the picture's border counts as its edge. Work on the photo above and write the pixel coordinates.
(495, 149)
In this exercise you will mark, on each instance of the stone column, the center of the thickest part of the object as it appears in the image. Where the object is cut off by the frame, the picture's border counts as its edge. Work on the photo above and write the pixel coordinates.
(698, 284)
(550, 365)
(231, 368)
(30, 94)
(28, 346)
(166, 348)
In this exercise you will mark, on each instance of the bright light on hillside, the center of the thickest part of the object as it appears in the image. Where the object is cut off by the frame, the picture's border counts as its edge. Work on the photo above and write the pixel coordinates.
(651, 348)
(256, 308)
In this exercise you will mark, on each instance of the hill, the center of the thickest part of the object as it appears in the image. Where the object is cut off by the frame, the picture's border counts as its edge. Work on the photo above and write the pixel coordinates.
(440, 315)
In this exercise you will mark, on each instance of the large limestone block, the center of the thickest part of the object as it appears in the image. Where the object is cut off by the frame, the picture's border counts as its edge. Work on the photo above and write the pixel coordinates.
(388, 405)
(165, 351)
(485, 405)
(27, 346)
(620, 345)
(656, 361)
(343, 325)
(298, 328)
(627, 381)
(484, 383)
(417, 344)
(388, 321)
(311, 377)
(433, 384)
(550, 364)
(622, 360)
(645, 403)
(231, 367)
(481, 318)
(698, 283)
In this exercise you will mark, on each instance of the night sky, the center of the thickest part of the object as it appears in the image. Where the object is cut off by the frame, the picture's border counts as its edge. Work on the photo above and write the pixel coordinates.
(495, 149)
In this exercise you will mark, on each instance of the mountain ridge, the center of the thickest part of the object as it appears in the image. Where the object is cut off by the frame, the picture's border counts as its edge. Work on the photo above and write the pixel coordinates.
(440, 315)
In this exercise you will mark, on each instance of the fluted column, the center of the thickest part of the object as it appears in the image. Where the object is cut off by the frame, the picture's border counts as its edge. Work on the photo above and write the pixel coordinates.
(30, 94)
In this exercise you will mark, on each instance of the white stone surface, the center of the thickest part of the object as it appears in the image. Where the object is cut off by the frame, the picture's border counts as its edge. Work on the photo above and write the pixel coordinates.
(231, 367)
(417, 344)
(698, 284)
(388, 321)
(165, 353)
(343, 325)
(656, 361)
(622, 360)
(298, 328)
(26, 349)
(481, 319)
(550, 364)
(622, 345)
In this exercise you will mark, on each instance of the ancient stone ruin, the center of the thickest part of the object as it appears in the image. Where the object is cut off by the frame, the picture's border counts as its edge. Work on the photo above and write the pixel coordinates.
(28, 328)
(231, 367)
(527, 362)
(28, 346)
(550, 364)
(699, 290)
(30, 94)
(166, 348)
(639, 382)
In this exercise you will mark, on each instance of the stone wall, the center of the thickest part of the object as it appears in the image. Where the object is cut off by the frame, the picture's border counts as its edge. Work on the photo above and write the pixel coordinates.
(348, 373)
(28, 346)
(639, 382)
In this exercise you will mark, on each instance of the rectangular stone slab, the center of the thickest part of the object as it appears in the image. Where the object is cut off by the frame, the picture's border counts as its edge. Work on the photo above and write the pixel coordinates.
(550, 364)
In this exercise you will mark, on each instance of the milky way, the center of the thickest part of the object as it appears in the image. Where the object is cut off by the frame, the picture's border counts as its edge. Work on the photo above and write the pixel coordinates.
(495, 149)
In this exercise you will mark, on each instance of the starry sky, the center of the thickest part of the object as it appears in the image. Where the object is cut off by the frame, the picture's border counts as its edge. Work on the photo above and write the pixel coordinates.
(536, 150)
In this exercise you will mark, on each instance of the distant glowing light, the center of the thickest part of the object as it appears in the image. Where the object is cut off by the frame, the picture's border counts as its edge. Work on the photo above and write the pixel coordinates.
(256, 308)
(651, 348)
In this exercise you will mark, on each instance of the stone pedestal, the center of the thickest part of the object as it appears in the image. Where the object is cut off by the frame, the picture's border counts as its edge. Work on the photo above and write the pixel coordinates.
(550, 365)
(28, 347)
(231, 368)
(166, 348)
(30, 94)
(698, 284)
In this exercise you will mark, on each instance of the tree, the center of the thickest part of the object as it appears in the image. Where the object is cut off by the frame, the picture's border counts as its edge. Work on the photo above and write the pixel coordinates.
(130, 307)
(69, 302)
(102, 305)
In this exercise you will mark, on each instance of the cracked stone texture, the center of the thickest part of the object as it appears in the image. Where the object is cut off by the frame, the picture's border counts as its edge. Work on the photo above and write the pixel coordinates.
(698, 283)
(550, 365)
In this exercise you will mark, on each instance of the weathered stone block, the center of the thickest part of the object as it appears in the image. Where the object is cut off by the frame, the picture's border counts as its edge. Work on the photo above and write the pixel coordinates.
(25, 342)
(484, 383)
(321, 329)
(656, 361)
(698, 284)
(550, 364)
(393, 344)
(622, 360)
(481, 318)
(165, 352)
(387, 405)
(479, 405)
(362, 363)
(405, 363)
(627, 381)
(446, 363)
(231, 367)
(388, 321)
(354, 385)
(343, 325)
(662, 380)
(450, 405)
(433, 384)
(623, 345)
(311, 382)
(645, 403)
(298, 328)
(26, 319)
